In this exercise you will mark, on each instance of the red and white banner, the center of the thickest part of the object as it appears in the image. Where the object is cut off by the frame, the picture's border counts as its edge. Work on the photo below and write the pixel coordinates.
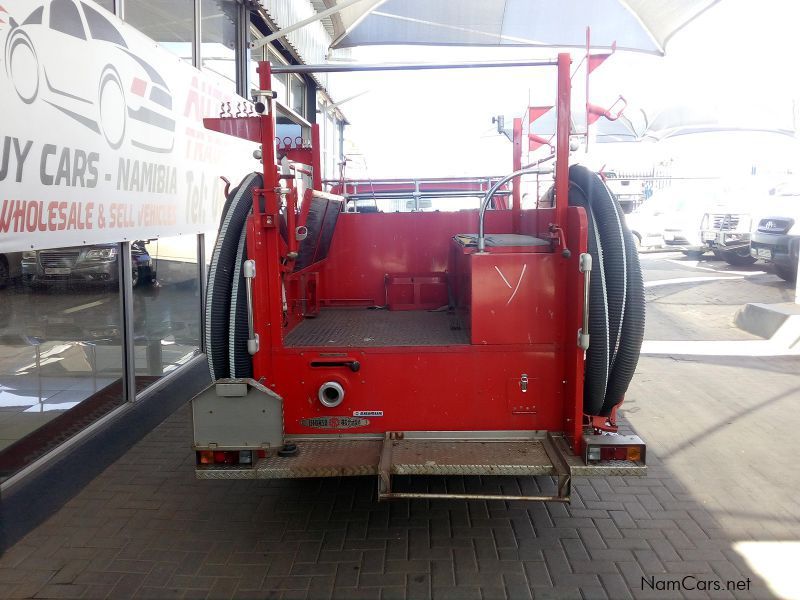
(102, 137)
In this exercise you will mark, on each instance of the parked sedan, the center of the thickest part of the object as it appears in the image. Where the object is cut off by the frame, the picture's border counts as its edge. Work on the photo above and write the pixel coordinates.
(87, 264)
(645, 225)
(680, 209)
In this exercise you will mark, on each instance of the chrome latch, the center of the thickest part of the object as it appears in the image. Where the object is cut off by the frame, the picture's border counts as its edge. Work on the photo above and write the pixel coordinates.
(523, 383)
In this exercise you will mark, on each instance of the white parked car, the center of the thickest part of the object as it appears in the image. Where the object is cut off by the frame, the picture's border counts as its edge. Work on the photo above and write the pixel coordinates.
(645, 224)
(679, 210)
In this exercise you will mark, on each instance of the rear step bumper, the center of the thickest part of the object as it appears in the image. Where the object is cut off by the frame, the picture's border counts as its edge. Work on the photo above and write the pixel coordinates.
(420, 454)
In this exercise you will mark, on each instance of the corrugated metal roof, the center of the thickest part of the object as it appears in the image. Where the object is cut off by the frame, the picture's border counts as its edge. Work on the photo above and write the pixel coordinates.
(329, 23)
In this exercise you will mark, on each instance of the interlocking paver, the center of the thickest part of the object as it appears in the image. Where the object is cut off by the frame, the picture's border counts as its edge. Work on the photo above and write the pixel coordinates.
(146, 528)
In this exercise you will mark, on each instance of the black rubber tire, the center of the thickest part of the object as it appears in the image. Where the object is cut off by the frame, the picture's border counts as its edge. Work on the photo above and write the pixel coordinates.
(135, 275)
(739, 257)
(241, 365)
(220, 275)
(5, 272)
(786, 273)
(616, 303)
(694, 254)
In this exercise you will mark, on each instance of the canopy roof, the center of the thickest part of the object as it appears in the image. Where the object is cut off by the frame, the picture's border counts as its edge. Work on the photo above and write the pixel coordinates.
(641, 25)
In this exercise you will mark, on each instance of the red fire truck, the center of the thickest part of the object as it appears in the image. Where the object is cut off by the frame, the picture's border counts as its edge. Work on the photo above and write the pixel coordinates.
(347, 340)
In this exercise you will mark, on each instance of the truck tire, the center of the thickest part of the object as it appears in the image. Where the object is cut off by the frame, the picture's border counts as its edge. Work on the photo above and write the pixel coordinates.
(786, 273)
(739, 257)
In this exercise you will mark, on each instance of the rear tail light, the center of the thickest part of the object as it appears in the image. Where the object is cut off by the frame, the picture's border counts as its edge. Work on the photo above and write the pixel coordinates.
(228, 457)
(601, 448)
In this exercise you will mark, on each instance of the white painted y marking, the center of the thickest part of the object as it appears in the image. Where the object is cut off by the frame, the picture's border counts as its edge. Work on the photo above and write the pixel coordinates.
(519, 282)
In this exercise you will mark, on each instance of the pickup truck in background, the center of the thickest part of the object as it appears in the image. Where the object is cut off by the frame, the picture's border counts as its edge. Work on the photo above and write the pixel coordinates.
(728, 234)
(776, 236)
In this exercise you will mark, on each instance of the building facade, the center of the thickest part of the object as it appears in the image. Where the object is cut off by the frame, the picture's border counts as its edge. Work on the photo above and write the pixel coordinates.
(111, 191)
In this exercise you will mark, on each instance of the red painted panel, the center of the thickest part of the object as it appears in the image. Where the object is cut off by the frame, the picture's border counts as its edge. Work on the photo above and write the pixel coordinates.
(513, 298)
(416, 291)
(368, 246)
(427, 389)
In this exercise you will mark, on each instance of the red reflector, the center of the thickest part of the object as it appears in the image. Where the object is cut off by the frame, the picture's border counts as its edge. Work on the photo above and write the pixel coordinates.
(262, 454)
(613, 453)
(219, 457)
(138, 86)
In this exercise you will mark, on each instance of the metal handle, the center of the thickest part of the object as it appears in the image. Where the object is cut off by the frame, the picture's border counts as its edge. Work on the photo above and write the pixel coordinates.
(586, 269)
(490, 194)
(249, 271)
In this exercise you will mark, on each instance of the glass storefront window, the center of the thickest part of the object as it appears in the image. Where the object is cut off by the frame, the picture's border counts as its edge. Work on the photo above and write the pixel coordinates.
(168, 22)
(298, 99)
(279, 82)
(166, 306)
(330, 143)
(60, 347)
(219, 19)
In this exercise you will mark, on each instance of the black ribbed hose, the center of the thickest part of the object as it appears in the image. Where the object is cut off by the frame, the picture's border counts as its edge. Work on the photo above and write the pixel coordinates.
(220, 275)
(616, 302)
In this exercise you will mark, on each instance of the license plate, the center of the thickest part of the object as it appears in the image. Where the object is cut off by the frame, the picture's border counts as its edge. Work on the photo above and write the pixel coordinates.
(709, 236)
(57, 271)
(764, 253)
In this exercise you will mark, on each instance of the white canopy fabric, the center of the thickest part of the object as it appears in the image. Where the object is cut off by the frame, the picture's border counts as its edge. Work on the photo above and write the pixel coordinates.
(640, 25)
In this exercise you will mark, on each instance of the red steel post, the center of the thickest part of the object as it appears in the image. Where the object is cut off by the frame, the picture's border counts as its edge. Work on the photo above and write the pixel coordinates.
(516, 192)
(263, 243)
(562, 141)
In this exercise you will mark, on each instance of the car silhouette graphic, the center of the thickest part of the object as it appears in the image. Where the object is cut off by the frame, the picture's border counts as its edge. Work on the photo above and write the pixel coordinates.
(69, 55)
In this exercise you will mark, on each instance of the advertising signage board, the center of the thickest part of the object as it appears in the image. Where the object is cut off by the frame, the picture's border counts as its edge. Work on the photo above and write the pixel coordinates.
(102, 137)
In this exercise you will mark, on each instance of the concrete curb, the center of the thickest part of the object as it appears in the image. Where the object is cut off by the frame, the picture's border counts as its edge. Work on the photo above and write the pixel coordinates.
(764, 320)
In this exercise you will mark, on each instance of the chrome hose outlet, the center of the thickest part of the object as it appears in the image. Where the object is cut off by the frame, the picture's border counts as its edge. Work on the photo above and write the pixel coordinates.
(331, 394)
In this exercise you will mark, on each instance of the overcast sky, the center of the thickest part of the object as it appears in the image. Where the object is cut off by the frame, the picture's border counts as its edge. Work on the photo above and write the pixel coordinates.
(740, 56)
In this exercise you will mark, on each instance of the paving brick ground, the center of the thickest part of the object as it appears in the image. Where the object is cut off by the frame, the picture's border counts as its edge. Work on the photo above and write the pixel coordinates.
(721, 441)
(146, 528)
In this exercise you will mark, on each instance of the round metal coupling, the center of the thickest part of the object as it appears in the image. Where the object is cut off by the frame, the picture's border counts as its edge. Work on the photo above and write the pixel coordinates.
(331, 394)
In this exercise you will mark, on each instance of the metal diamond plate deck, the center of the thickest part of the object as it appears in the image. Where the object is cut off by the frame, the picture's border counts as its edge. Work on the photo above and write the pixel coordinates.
(423, 457)
(370, 328)
(325, 458)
